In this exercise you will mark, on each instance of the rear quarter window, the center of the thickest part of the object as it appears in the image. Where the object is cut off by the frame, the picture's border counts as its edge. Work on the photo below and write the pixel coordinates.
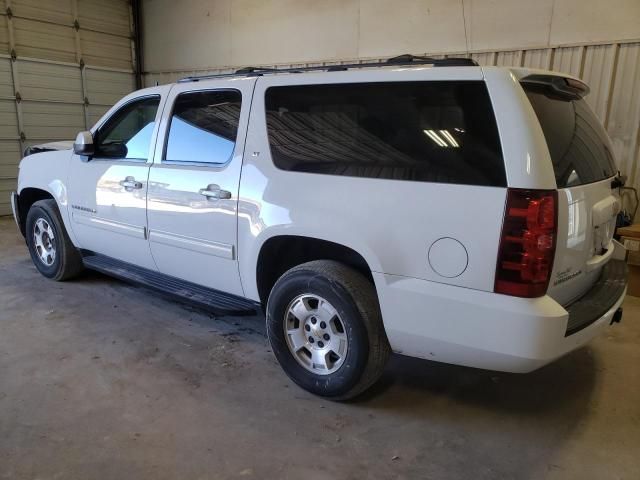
(416, 131)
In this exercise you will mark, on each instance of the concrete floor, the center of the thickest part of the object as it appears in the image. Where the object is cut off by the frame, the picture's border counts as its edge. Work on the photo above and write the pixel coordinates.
(102, 380)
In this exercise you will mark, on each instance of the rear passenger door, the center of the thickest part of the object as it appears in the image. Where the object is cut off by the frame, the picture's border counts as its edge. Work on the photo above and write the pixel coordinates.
(193, 183)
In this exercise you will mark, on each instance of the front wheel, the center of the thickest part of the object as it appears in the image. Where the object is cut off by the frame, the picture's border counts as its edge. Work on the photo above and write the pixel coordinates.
(325, 328)
(51, 250)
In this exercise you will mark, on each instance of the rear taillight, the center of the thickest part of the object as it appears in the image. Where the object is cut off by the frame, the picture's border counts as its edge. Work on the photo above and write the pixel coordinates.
(528, 243)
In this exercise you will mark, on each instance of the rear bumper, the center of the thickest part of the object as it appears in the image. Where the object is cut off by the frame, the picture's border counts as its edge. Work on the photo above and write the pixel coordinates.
(599, 299)
(481, 329)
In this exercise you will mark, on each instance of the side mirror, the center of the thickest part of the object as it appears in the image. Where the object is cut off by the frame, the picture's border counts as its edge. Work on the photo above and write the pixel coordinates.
(113, 150)
(83, 145)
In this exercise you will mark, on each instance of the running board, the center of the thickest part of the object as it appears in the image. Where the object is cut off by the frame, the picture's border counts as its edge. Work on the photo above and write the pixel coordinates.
(220, 303)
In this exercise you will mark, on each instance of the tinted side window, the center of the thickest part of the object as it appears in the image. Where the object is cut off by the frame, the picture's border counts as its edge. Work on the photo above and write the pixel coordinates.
(422, 131)
(577, 141)
(127, 134)
(204, 126)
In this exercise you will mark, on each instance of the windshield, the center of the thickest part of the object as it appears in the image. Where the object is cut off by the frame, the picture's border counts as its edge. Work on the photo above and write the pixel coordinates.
(579, 147)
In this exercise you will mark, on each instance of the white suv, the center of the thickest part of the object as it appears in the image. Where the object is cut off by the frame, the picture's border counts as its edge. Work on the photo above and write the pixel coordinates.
(433, 208)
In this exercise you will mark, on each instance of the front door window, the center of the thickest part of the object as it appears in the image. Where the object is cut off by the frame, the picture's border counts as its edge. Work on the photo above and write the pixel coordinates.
(127, 134)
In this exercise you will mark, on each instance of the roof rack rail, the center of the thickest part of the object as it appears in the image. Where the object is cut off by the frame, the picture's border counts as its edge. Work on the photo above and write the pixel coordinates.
(400, 60)
(250, 70)
(436, 62)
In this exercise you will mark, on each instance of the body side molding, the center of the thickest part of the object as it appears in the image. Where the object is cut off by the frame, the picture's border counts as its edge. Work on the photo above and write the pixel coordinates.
(194, 244)
(111, 225)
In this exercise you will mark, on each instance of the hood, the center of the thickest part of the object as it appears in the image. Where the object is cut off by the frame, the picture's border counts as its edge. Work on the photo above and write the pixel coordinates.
(48, 147)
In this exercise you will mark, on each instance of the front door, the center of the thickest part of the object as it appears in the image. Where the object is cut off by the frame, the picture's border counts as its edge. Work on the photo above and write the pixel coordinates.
(107, 192)
(193, 184)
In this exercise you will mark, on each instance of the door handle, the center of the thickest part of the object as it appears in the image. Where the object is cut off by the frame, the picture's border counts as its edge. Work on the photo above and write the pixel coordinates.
(214, 192)
(130, 183)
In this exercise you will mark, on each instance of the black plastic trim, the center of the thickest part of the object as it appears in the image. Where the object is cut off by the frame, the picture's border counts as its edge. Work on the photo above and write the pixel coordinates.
(599, 299)
(216, 301)
(400, 60)
(15, 204)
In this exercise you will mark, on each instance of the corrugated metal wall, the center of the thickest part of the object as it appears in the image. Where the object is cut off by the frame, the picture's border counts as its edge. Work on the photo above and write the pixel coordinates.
(611, 69)
(63, 63)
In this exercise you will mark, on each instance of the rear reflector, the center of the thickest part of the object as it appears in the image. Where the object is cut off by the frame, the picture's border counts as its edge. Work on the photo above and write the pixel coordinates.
(528, 243)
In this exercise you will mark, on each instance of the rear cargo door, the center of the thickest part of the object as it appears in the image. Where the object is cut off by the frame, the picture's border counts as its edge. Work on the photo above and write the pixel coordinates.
(583, 165)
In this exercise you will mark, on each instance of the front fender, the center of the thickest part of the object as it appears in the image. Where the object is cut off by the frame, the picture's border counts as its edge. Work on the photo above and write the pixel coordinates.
(48, 171)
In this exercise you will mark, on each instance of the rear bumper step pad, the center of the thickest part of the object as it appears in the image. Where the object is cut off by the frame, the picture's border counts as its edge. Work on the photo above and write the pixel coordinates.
(599, 299)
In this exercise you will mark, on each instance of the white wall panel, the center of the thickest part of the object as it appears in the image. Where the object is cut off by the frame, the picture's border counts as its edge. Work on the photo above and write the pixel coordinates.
(385, 29)
(200, 38)
(593, 21)
(207, 34)
(502, 24)
(262, 33)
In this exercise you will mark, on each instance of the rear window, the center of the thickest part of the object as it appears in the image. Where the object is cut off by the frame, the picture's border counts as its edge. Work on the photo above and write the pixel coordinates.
(577, 142)
(421, 131)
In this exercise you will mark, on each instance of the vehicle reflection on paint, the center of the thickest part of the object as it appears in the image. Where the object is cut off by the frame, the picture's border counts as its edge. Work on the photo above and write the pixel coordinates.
(576, 226)
(259, 213)
(163, 197)
(110, 192)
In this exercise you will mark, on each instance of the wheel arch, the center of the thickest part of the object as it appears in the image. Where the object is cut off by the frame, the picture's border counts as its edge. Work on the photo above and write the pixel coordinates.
(26, 198)
(282, 252)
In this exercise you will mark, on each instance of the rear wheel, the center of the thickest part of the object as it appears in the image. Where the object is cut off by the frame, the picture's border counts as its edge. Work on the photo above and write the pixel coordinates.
(51, 250)
(325, 328)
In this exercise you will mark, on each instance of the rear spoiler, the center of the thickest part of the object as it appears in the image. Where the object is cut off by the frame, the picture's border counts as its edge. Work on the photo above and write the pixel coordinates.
(570, 88)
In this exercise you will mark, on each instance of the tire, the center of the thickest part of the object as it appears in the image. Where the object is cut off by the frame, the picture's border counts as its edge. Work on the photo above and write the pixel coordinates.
(62, 260)
(349, 299)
